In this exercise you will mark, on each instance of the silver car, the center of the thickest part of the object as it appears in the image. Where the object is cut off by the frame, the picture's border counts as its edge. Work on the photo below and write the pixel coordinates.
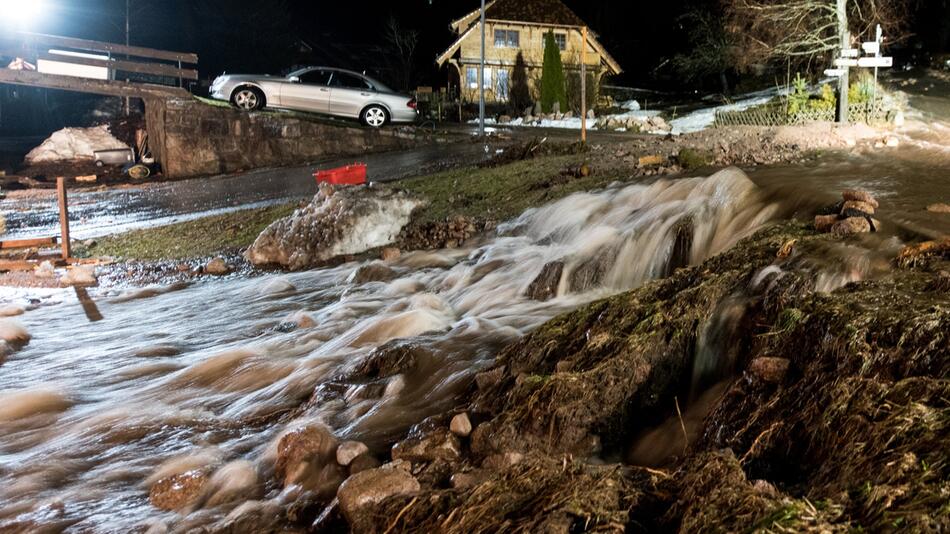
(338, 92)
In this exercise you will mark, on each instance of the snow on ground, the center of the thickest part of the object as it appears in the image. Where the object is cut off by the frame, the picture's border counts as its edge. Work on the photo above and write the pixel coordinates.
(617, 120)
(70, 144)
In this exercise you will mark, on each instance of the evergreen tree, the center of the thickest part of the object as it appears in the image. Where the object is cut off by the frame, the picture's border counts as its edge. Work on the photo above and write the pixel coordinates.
(520, 98)
(552, 76)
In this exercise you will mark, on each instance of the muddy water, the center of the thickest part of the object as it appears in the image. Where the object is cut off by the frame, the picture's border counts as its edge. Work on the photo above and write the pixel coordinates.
(175, 378)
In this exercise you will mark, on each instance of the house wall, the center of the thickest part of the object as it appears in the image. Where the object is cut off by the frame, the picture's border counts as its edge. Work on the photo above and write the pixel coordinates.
(504, 58)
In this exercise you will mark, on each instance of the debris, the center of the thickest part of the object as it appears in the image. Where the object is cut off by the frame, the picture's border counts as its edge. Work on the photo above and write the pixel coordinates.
(70, 144)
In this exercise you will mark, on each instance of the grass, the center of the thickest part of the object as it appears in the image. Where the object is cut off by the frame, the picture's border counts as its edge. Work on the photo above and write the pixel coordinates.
(200, 237)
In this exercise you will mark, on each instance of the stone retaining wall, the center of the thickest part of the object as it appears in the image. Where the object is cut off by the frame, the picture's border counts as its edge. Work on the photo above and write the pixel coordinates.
(192, 138)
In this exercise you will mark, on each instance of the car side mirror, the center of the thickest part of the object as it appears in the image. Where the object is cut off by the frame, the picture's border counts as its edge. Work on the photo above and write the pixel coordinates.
(294, 79)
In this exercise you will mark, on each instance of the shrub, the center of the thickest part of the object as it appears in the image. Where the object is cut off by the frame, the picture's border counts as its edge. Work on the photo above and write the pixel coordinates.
(552, 76)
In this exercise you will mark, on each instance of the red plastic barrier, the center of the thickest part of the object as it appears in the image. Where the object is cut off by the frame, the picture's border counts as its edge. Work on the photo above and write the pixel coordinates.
(350, 175)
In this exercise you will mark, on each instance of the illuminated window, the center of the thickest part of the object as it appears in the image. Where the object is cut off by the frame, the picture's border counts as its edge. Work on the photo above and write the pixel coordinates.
(507, 39)
(471, 77)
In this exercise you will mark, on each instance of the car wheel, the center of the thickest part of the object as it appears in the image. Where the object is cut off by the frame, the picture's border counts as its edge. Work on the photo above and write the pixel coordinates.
(375, 116)
(248, 98)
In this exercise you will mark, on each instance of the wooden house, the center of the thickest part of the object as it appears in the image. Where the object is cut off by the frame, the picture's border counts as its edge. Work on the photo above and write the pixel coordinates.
(516, 27)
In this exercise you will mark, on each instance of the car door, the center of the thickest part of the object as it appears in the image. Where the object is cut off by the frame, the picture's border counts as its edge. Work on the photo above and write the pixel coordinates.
(349, 94)
(310, 92)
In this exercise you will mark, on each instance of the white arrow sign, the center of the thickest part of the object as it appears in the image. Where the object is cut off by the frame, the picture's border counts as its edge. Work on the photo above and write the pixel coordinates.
(871, 47)
(834, 73)
(850, 52)
(876, 62)
(840, 62)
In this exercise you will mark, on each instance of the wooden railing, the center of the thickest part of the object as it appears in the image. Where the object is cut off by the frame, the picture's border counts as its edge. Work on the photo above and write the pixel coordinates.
(117, 58)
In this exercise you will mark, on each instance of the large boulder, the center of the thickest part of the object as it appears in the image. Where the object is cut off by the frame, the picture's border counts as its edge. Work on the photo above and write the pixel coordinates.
(371, 487)
(338, 222)
(307, 457)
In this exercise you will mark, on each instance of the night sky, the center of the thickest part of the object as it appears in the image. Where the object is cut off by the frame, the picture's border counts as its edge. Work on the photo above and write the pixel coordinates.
(254, 35)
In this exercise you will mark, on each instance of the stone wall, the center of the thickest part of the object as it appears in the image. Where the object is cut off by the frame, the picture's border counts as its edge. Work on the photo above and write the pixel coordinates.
(192, 138)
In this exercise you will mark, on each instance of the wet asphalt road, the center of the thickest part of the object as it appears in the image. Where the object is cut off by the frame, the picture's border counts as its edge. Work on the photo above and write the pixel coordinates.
(98, 213)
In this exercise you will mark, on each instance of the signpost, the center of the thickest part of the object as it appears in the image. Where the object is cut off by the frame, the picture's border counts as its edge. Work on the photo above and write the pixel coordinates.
(850, 57)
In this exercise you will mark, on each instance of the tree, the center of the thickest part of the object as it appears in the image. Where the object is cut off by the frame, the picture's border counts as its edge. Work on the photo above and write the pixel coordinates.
(520, 96)
(710, 52)
(402, 43)
(552, 76)
(804, 33)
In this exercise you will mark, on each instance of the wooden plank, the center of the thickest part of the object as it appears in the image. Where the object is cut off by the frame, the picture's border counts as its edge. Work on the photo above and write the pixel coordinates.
(100, 46)
(87, 85)
(27, 243)
(63, 216)
(157, 69)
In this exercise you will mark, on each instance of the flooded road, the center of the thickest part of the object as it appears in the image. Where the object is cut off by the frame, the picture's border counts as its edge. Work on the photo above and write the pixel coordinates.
(98, 213)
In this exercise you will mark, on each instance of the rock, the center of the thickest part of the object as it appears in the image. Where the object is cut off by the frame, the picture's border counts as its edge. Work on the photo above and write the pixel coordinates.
(490, 378)
(45, 270)
(768, 369)
(851, 225)
(217, 267)
(372, 272)
(857, 205)
(544, 286)
(349, 451)
(179, 491)
(363, 462)
(79, 277)
(824, 223)
(14, 333)
(468, 479)
(336, 223)
(11, 311)
(504, 119)
(371, 487)
(439, 444)
(235, 482)
(461, 426)
(939, 207)
(390, 254)
(303, 453)
(860, 196)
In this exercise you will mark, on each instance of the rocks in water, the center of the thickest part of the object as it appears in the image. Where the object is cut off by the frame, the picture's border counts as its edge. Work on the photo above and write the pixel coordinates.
(439, 444)
(11, 311)
(349, 451)
(461, 426)
(544, 287)
(768, 369)
(236, 481)
(823, 223)
(14, 333)
(450, 233)
(217, 267)
(939, 207)
(851, 225)
(372, 272)
(857, 205)
(338, 222)
(390, 254)
(912, 254)
(79, 277)
(363, 462)
(307, 456)
(179, 491)
(859, 196)
(371, 487)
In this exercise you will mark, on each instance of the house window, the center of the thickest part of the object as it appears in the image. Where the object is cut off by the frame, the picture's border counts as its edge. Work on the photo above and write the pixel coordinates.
(507, 39)
(502, 85)
(559, 38)
(471, 77)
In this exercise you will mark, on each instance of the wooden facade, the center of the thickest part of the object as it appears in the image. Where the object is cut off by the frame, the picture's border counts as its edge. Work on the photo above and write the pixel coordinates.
(506, 38)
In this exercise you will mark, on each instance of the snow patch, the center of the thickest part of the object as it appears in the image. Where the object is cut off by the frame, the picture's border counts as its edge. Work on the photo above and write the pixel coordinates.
(71, 144)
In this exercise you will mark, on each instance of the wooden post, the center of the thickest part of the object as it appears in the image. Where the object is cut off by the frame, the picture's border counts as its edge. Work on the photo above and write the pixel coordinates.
(63, 217)
(843, 84)
(584, 84)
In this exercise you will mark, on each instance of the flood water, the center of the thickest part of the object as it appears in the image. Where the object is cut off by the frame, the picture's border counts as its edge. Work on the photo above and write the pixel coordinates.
(91, 413)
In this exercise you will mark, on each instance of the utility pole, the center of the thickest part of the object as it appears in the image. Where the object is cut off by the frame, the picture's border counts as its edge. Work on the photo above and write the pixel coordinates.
(481, 80)
(843, 84)
(128, 34)
(584, 84)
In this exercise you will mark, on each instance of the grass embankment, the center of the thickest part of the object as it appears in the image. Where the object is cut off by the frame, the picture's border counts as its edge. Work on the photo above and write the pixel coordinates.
(497, 193)
(190, 239)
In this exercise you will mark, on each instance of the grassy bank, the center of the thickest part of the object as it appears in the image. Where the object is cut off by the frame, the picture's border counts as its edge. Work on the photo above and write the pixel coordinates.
(497, 193)
(200, 237)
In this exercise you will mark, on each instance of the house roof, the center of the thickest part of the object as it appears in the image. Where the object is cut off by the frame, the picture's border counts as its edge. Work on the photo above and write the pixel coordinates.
(537, 11)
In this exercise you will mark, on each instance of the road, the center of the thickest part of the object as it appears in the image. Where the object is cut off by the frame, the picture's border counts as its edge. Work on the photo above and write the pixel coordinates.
(98, 213)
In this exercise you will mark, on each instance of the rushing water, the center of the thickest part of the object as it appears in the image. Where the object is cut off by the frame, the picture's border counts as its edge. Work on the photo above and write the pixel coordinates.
(179, 377)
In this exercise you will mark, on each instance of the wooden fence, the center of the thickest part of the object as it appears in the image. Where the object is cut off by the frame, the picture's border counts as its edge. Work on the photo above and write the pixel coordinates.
(777, 115)
(157, 66)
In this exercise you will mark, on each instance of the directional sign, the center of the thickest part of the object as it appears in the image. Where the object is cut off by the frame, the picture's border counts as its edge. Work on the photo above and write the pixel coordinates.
(850, 52)
(846, 62)
(834, 73)
(876, 62)
(871, 47)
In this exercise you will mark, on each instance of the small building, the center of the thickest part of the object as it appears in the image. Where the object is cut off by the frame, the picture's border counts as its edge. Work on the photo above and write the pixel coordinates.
(516, 27)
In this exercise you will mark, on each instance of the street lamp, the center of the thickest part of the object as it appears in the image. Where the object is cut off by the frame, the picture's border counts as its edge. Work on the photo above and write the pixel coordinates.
(21, 13)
